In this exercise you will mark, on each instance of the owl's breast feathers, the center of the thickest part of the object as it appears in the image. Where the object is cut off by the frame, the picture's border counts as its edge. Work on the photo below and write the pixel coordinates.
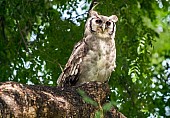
(92, 59)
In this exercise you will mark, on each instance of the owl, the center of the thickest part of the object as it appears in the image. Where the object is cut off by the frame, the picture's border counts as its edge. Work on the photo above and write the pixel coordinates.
(94, 57)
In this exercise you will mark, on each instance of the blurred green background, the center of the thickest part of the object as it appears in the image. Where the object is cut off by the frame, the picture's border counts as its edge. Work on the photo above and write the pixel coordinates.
(37, 37)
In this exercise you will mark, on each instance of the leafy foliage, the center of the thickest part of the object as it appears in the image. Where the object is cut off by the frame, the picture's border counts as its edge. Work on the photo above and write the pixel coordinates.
(37, 38)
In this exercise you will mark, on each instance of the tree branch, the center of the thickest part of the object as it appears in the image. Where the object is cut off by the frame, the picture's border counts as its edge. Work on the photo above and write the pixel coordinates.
(24, 101)
(93, 3)
(22, 37)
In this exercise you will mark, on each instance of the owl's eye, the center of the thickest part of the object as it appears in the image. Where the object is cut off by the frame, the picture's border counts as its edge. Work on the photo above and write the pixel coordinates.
(108, 23)
(99, 21)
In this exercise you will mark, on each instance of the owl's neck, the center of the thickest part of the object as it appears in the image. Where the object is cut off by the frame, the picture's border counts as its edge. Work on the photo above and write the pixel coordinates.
(95, 38)
(102, 36)
(96, 43)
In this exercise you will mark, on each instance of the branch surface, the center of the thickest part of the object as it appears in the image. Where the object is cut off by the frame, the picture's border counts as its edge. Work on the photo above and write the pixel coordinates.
(25, 101)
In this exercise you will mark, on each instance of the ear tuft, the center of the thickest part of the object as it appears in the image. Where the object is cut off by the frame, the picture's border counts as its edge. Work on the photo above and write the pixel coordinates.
(93, 13)
(114, 18)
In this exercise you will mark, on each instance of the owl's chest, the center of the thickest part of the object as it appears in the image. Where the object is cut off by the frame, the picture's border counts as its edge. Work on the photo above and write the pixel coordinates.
(99, 61)
(103, 55)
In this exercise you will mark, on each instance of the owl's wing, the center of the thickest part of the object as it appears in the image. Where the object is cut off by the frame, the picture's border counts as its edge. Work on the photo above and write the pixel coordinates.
(71, 72)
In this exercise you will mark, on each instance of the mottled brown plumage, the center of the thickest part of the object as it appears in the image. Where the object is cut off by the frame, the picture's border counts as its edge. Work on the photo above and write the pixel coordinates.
(93, 58)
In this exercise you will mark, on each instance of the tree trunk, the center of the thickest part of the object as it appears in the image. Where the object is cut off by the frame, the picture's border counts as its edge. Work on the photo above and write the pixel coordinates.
(25, 101)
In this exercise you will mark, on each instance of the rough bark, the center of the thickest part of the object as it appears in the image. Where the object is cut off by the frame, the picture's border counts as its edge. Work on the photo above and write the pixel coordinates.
(25, 101)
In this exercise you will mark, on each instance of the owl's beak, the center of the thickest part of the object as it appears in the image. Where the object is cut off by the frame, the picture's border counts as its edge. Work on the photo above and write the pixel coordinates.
(103, 27)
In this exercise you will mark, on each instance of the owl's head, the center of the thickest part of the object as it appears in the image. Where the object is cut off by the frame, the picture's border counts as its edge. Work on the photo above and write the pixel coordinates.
(101, 26)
